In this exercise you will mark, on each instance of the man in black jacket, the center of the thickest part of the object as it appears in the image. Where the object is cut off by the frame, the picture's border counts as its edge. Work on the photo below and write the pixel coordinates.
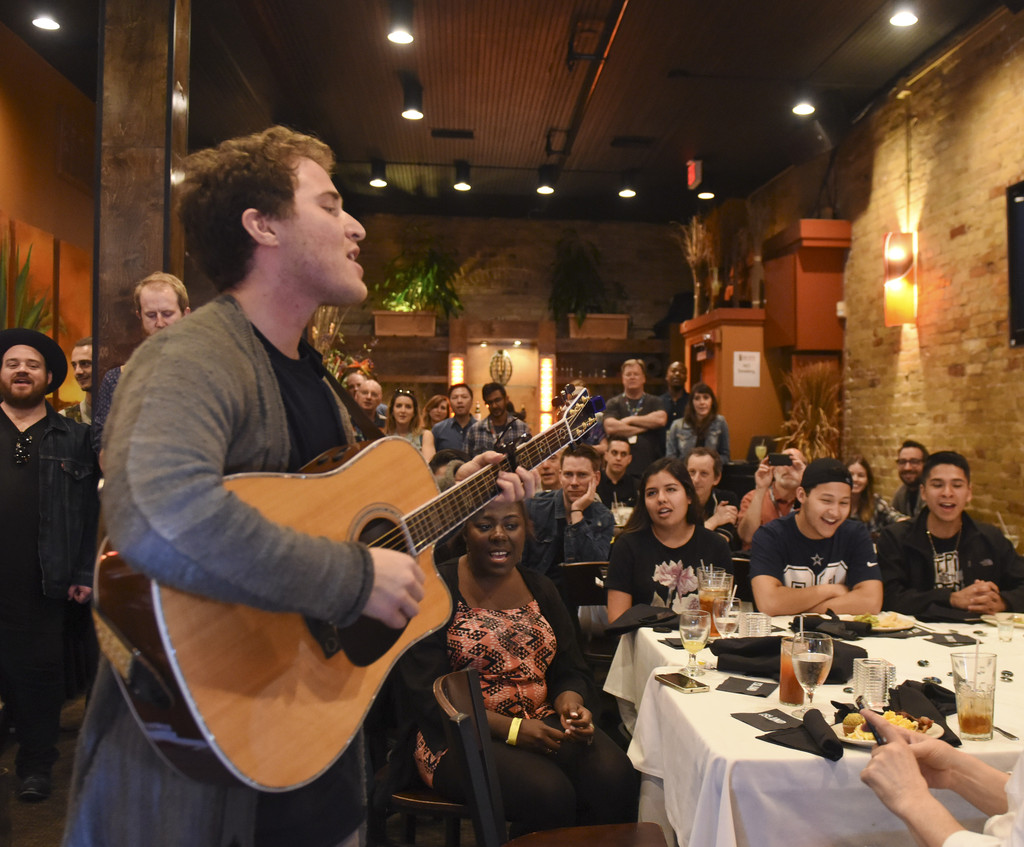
(944, 558)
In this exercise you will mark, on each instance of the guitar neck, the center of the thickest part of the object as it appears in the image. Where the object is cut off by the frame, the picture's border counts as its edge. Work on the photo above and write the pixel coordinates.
(432, 521)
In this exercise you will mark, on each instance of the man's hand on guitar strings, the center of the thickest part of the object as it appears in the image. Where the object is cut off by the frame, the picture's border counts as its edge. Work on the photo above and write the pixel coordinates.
(520, 485)
(397, 588)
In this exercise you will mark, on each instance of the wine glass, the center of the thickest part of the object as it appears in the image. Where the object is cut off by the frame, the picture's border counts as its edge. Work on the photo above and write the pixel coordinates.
(760, 450)
(694, 628)
(812, 660)
(727, 615)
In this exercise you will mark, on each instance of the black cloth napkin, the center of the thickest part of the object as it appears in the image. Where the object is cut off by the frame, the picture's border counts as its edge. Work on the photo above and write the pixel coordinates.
(920, 699)
(814, 736)
(760, 657)
(832, 625)
(642, 615)
(951, 639)
(947, 614)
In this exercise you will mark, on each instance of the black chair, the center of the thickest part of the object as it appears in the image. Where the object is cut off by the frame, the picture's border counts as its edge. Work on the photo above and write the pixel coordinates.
(422, 801)
(469, 739)
(741, 578)
(582, 584)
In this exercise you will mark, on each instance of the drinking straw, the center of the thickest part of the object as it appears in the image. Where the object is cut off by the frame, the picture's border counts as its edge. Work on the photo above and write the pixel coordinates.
(732, 596)
(977, 659)
(801, 624)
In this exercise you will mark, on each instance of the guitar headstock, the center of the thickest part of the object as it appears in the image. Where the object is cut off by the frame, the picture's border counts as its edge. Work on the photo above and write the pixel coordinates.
(579, 411)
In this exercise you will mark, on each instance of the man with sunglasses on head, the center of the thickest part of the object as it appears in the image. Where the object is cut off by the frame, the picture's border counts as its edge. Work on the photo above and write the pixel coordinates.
(48, 512)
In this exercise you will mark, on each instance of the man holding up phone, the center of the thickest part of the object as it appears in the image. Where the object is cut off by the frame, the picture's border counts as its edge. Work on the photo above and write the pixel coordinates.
(776, 481)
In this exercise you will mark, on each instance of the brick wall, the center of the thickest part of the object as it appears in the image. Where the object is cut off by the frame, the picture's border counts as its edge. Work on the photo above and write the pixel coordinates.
(951, 381)
(507, 264)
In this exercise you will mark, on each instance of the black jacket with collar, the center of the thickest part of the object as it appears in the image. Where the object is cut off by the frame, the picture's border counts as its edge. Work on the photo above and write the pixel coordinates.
(908, 568)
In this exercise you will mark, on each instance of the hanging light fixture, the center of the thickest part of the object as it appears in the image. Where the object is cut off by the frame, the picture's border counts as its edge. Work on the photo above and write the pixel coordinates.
(45, 22)
(706, 195)
(461, 175)
(900, 278)
(378, 173)
(903, 14)
(546, 175)
(628, 188)
(803, 107)
(401, 22)
(412, 97)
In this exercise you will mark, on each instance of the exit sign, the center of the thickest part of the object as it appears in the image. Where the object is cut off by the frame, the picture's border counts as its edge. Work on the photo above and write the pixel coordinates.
(694, 173)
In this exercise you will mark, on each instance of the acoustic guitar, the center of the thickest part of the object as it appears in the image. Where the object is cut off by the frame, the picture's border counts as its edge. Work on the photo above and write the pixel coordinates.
(229, 692)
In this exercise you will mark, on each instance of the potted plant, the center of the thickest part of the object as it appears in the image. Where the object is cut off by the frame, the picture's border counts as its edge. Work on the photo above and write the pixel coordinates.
(418, 284)
(695, 242)
(578, 292)
(814, 419)
(29, 312)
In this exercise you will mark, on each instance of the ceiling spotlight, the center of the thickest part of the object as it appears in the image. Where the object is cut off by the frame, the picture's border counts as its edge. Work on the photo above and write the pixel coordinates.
(546, 175)
(378, 173)
(903, 15)
(401, 22)
(412, 97)
(461, 175)
(803, 107)
(45, 22)
(706, 195)
(628, 188)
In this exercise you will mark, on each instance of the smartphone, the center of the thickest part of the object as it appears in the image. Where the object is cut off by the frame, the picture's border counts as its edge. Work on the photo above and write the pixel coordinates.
(780, 459)
(682, 682)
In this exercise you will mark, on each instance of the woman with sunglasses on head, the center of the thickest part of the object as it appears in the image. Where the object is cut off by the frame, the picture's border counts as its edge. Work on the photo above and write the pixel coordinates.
(667, 527)
(403, 417)
(436, 410)
(555, 768)
(700, 426)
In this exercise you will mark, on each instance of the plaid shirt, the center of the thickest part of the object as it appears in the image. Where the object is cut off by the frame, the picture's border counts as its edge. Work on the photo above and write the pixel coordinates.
(480, 436)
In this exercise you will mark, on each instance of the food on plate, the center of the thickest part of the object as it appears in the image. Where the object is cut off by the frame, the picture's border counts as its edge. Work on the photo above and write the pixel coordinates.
(886, 620)
(855, 729)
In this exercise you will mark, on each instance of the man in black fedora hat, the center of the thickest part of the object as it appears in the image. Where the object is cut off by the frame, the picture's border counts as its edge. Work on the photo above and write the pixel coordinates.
(48, 513)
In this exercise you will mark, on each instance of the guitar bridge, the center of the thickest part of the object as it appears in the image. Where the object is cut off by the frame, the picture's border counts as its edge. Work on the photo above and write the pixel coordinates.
(328, 636)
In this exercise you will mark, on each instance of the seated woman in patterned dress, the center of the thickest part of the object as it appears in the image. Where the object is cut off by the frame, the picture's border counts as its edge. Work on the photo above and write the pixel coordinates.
(554, 766)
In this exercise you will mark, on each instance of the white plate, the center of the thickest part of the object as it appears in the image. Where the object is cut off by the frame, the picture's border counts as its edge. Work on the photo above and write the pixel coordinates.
(1018, 620)
(901, 626)
(935, 731)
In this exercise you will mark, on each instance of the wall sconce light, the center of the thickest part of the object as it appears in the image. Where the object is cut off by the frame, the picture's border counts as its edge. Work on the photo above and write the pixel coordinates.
(378, 173)
(628, 188)
(401, 22)
(412, 97)
(461, 175)
(546, 176)
(547, 390)
(900, 278)
(456, 369)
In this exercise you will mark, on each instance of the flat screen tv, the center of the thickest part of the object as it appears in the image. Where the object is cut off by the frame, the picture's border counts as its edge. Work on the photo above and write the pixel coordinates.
(1015, 260)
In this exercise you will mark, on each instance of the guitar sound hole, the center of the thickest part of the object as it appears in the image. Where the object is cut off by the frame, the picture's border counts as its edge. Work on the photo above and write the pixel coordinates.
(366, 640)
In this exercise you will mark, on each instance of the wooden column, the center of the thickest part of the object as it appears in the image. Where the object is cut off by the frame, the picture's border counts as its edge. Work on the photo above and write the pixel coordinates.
(143, 105)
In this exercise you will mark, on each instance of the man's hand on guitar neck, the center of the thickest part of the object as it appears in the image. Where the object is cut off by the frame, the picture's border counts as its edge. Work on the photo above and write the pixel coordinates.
(520, 485)
(397, 587)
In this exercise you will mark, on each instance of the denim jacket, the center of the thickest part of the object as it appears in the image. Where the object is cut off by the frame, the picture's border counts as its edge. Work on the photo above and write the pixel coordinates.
(590, 540)
(68, 503)
(680, 439)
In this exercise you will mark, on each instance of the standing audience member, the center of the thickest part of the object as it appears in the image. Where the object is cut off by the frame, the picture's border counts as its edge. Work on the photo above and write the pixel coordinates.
(902, 771)
(403, 417)
(910, 462)
(816, 560)
(48, 513)
(369, 396)
(638, 416)
(555, 768)
(666, 530)
(435, 410)
(160, 300)
(676, 398)
(943, 558)
(500, 427)
(774, 494)
(81, 364)
(352, 381)
(450, 434)
(570, 525)
(719, 506)
(867, 507)
(617, 485)
(700, 426)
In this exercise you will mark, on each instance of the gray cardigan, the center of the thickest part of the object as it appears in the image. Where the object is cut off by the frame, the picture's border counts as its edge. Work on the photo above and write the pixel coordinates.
(197, 401)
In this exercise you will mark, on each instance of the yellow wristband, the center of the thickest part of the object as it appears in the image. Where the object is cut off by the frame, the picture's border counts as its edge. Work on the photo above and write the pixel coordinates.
(513, 732)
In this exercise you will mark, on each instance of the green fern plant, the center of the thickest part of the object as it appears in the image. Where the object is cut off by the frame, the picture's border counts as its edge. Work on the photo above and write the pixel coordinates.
(421, 277)
(576, 285)
(813, 424)
(29, 312)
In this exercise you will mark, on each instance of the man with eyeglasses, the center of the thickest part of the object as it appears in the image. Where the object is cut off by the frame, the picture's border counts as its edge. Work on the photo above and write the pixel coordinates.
(498, 429)
(48, 513)
(910, 462)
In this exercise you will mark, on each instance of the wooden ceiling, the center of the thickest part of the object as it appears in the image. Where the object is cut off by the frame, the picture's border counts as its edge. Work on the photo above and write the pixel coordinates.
(597, 88)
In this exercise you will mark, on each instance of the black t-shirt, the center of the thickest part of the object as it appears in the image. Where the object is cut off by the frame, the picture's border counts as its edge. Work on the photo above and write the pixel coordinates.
(636, 554)
(624, 491)
(23, 606)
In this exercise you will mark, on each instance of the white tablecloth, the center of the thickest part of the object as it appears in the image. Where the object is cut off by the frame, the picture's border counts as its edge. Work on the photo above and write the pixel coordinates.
(721, 786)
